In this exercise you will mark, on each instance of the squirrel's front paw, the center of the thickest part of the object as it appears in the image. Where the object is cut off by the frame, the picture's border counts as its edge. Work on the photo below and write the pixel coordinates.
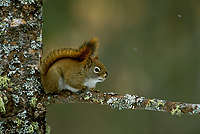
(65, 92)
(94, 90)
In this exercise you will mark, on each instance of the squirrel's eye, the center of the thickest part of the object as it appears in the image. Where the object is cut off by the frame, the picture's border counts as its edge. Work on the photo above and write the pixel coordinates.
(97, 69)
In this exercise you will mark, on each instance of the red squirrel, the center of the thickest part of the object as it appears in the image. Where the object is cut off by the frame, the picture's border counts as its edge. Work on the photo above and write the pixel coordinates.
(72, 69)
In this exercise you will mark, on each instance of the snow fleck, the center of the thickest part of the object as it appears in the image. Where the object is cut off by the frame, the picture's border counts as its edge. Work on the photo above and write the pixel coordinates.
(179, 15)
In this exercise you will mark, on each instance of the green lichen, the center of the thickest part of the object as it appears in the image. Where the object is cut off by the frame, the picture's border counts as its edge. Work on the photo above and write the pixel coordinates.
(5, 82)
(39, 39)
(16, 87)
(32, 127)
(35, 125)
(95, 100)
(176, 111)
(48, 129)
(150, 103)
(98, 100)
(160, 103)
(18, 121)
(33, 101)
(155, 104)
(101, 101)
(5, 99)
(86, 97)
(2, 107)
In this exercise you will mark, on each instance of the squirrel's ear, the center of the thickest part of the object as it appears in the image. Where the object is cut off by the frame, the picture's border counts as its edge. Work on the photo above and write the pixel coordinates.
(88, 63)
(96, 57)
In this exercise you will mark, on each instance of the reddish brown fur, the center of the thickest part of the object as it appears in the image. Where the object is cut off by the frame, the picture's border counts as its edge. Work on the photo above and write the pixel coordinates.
(72, 70)
(86, 50)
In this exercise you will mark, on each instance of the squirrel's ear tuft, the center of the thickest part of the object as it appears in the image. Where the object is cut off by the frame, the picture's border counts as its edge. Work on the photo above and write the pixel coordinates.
(96, 57)
(88, 63)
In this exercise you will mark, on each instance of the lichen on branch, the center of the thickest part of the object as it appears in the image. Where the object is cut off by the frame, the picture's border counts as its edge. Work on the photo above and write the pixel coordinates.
(121, 102)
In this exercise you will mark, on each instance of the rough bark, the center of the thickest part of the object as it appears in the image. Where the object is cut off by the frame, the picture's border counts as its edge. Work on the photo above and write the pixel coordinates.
(20, 52)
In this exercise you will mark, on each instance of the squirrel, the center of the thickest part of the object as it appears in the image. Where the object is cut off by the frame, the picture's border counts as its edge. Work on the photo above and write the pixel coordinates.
(74, 70)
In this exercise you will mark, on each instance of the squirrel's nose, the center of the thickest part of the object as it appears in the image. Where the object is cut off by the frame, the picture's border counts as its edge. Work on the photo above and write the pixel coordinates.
(106, 75)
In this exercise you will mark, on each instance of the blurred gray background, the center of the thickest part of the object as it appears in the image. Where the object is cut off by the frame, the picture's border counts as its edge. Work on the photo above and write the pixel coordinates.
(150, 48)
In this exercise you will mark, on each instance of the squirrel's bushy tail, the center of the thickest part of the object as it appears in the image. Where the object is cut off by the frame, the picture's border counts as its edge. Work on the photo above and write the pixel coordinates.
(86, 50)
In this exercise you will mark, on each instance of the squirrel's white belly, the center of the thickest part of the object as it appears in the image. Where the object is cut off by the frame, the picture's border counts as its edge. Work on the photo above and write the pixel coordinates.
(63, 86)
(91, 82)
(74, 90)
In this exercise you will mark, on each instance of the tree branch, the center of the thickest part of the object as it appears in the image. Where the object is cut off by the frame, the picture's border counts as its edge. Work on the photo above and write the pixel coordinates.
(123, 102)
